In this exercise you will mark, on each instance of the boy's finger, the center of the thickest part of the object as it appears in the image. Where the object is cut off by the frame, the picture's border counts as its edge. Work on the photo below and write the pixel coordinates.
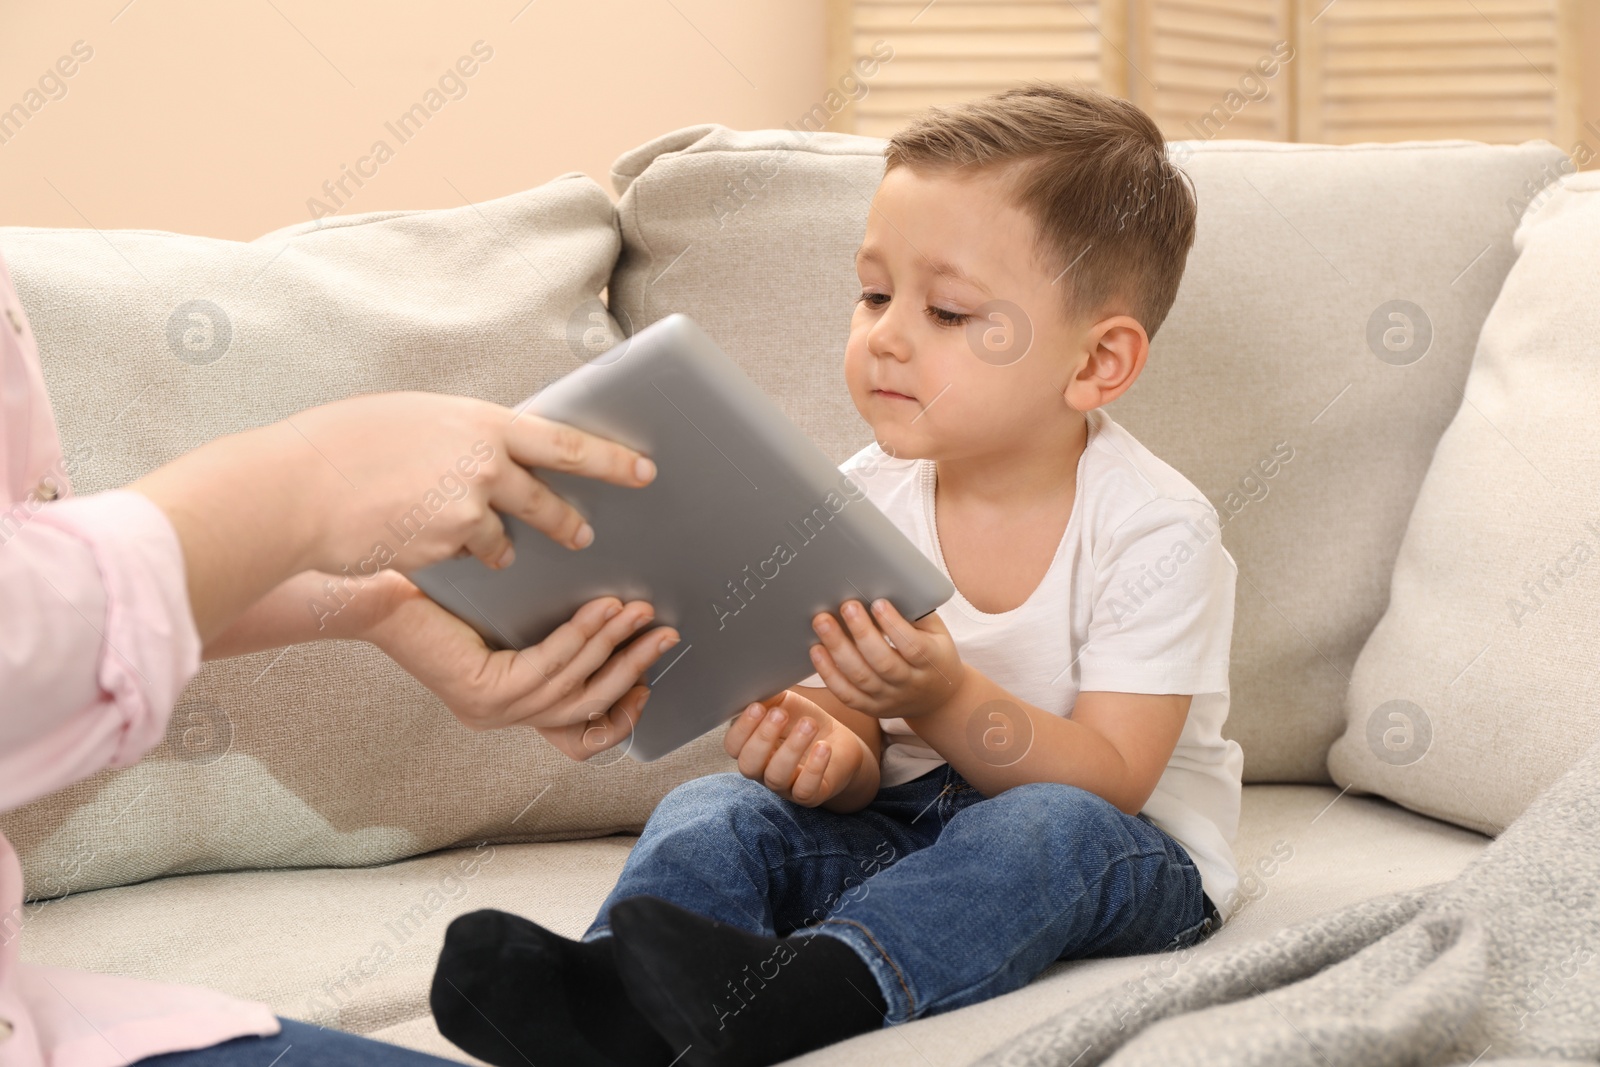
(908, 636)
(929, 623)
(744, 724)
(785, 762)
(758, 750)
(885, 661)
(834, 679)
(842, 647)
(808, 786)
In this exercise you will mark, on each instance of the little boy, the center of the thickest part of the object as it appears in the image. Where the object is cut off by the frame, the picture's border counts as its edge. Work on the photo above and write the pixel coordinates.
(1034, 772)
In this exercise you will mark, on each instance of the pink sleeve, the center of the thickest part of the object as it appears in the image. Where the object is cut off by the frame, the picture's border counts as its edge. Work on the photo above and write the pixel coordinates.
(106, 640)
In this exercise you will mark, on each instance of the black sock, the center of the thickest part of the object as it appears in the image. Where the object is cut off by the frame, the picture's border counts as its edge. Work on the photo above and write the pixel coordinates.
(736, 999)
(511, 992)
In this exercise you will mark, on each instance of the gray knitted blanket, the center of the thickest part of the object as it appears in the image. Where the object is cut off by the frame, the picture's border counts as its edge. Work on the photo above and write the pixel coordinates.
(1496, 966)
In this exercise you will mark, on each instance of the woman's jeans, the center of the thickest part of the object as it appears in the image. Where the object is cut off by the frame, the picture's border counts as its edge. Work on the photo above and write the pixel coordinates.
(313, 1047)
(949, 897)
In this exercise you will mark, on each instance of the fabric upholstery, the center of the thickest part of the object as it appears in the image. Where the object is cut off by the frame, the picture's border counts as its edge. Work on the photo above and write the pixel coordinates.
(355, 948)
(1474, 692)
(1487, 968)
(1279, 385)
(1270, 385)
(329, 754)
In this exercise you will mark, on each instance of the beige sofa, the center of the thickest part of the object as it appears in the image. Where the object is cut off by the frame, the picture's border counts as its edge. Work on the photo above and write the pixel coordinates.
(315, 819)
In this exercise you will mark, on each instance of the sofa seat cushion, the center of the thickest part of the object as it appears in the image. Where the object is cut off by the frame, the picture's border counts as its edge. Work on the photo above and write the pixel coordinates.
(354, 948)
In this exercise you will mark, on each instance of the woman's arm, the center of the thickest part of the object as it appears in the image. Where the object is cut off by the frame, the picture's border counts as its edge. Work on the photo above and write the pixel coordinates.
(310, 606)
(396, 480)
(588, 663)
(97, 640)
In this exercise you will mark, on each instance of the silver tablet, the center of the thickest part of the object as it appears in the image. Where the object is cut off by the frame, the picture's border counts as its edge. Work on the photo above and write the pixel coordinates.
(747, 531)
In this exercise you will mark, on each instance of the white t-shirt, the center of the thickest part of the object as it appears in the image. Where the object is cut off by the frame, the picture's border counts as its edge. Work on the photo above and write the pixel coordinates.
(1138, 599)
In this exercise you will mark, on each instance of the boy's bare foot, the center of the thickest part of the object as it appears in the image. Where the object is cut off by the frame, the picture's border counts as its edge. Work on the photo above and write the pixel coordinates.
(735, 999)
(512, 993)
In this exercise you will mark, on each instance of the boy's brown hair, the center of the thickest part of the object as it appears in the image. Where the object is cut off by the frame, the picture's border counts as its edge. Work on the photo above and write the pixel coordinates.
(1115, 216)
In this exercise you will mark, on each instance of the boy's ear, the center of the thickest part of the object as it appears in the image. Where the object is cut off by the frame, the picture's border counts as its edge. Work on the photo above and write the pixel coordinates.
(1113, 353)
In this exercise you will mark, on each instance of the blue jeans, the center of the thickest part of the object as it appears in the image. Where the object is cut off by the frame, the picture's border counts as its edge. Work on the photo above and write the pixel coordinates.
(949, 897)
(313, 1047)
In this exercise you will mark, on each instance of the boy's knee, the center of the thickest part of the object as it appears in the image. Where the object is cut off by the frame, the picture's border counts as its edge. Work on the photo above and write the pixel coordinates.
(723, 783)
(727, 791)
(1049, 806)
(1054, 796)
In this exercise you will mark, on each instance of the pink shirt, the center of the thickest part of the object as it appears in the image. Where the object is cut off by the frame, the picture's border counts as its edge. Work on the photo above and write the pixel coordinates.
(96, 643)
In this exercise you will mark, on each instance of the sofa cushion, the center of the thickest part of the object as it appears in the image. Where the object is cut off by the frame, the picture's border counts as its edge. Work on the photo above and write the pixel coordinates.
(356, 948)
(153, 343)
(1475, 691)
(1279, 384)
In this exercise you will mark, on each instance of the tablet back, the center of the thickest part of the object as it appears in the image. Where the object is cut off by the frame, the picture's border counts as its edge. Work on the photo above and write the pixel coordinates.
(747, 531)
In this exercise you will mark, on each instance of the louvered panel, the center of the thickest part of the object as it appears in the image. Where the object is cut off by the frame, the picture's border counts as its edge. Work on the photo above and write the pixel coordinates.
(1342, 29)
(1393, 93)
(953, 50)
(1244, 9)
(1020, 47)
(1209, 72)
(1189, 103)
(1196, 67)
(895, 104)
(1497, 70)
(964, 72)
(1179, 59)
(1407, 10)
(1446, 58)
(1429, 131)
(1477, 69)
(1209, 22)
(1507, 110)
(1186, 125)
(882, 19)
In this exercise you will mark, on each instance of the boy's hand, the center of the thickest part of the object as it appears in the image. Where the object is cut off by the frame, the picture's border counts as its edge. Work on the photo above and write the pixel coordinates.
(794, 748)
(917, 675)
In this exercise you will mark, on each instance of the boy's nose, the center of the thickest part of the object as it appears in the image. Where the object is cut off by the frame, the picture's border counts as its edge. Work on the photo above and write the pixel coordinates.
(890, 345)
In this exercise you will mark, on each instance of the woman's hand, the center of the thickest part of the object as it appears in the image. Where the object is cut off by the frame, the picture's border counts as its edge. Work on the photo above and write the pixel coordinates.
(429, 473)
(396, 480)
(578, 687)
(917, 675)
(795, 749)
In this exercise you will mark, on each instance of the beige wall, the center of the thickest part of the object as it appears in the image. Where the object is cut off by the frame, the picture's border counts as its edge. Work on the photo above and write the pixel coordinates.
(1588, 78)
(223, 117)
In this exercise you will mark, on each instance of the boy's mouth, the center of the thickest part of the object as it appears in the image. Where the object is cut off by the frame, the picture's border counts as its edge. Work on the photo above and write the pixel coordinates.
(890, 394)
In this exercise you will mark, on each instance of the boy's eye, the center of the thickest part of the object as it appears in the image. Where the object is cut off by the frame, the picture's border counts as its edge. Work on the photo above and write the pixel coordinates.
(940, 315)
